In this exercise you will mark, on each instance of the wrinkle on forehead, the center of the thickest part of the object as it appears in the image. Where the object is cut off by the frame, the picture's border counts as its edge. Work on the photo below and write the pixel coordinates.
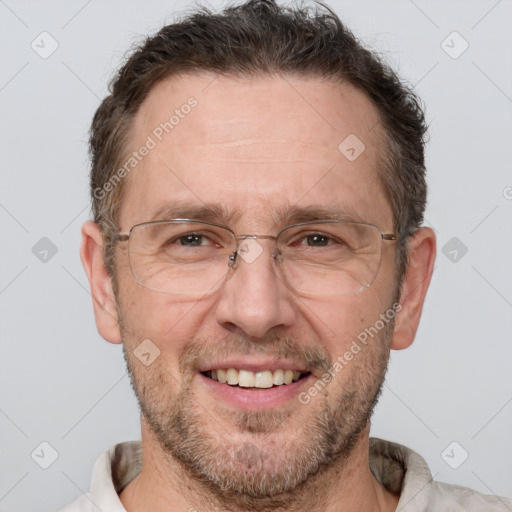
(259, 144)
(238, 105)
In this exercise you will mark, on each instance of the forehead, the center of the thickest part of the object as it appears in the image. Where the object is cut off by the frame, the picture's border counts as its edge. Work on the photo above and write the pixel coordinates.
(256, 147)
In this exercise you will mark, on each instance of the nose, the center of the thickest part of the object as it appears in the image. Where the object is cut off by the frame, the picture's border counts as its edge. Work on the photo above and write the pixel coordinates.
(254, 298)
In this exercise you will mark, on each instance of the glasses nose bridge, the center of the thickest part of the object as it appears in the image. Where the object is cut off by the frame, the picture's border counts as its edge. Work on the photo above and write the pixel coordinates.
(239, 247)
(245, 237)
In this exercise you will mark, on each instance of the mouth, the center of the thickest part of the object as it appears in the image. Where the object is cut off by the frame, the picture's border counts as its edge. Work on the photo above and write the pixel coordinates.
(249, 380)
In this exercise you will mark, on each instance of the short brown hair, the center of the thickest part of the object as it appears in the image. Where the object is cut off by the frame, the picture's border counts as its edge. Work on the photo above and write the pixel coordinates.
(260, 38)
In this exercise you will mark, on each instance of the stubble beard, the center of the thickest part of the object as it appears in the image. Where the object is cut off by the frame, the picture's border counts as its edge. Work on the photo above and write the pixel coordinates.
(256, 465)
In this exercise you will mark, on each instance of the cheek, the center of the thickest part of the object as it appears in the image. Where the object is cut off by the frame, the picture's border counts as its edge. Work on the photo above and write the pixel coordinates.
(339, 321)
(164, 319)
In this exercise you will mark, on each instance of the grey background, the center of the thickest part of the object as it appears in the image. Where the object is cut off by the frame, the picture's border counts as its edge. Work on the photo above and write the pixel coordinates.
(61, 383)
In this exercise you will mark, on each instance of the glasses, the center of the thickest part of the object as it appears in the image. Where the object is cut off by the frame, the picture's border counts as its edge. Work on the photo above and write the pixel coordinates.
(187, 257)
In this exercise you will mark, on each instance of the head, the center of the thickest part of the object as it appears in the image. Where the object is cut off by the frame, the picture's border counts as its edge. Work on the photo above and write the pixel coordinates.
(240, 118)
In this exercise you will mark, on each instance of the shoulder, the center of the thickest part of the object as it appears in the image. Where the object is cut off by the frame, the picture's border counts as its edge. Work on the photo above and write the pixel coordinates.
(112, 471)
(403, 471)
(456, 498)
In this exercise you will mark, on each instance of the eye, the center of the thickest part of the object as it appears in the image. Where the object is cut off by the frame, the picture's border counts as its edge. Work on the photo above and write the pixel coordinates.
(316, 240)
(191, 240)
(313, 240)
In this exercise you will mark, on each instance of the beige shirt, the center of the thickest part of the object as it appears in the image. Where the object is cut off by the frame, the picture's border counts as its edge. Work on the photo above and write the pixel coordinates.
(398, 468)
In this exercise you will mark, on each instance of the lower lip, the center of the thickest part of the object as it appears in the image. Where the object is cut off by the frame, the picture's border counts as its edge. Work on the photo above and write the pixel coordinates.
(255, 398)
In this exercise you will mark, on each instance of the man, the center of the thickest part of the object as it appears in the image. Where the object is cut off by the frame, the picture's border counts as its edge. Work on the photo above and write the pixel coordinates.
(258, 188)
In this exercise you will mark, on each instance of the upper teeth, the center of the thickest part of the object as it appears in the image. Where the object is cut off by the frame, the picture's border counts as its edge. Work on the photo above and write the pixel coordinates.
(248, 379)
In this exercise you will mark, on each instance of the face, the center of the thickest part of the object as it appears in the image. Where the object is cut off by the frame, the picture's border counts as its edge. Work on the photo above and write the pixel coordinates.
(257, 151)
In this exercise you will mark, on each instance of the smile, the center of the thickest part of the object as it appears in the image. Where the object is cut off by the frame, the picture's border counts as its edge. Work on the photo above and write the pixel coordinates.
(261, 379)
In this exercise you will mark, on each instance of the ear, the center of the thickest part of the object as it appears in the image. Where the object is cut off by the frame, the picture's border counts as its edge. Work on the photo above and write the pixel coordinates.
(422, 255)
(104, 302)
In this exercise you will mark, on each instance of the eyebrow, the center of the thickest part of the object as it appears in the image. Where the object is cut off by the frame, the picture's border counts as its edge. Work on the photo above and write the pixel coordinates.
(213, 212)
(284, 215)
(296, 214)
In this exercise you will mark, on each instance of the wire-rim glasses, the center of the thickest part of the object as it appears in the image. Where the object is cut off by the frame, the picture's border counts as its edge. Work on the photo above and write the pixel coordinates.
(317, 258)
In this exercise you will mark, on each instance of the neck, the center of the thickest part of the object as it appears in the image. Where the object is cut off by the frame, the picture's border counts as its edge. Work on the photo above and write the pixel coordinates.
(349, 485)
